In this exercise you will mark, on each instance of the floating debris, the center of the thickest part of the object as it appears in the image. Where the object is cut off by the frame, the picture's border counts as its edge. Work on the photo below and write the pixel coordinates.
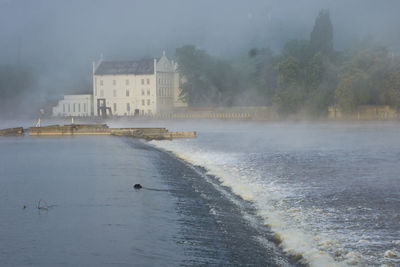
(137, 186)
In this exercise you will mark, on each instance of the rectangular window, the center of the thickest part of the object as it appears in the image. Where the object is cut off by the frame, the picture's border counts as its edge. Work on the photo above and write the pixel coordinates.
(101, 82)
(142, 81)
(148, 102)
(101, 93)
(143, 102)
(79, 107)
(142, 92)
(127, 92)
(114, 82)
(115, 93)
(148, 81)
(64, 108)
(148, 91)
(128, 107)
(127, 82)
(69, 108)
(84, 107)
(73, 107)
(115, 107)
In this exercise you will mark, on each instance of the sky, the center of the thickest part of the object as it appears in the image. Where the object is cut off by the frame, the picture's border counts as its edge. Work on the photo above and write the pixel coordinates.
(60, 39)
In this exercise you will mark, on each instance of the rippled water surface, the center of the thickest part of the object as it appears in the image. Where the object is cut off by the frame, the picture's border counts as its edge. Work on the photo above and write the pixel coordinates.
(330, 192)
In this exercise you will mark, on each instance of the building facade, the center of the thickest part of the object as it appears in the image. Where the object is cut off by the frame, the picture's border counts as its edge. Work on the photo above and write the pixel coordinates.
(144, 87)
(74, 106)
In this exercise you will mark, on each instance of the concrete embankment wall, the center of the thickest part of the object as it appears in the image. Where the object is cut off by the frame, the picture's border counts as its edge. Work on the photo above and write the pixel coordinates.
(365, 112)
(225, 113)
(102, 129)
(266, 113)
(12, 131)
(96, 129)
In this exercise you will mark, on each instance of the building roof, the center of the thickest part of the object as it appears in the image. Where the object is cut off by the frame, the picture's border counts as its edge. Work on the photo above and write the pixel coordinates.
(145, 66)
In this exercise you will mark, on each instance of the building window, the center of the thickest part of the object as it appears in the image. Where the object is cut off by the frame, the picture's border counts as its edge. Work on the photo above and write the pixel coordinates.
(69, 108)
(127, 82)
(142, 92)
(148, 81)
(143, 102)
(64, 108)
(127, 92)
(79, 107)
(84, 107)
(148, 102)
(115, 107)
(148, 91)
(115, 93)
(114, 82)
(128, 107)
(159, 80)
(101, 93)
(142, 81)
(73, 107)
(101, 82)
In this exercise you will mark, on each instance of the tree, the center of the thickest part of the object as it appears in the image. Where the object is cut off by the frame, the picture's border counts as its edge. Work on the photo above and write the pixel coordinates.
(390, 95)
(352, 91)
(207, 81)
(289, 96)
(321, 39)
(263, 77)
(195, 66)
(362, 76)
(289, 72)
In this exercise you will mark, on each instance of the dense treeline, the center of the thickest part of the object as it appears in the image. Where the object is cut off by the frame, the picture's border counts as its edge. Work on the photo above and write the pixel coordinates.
(308, 75)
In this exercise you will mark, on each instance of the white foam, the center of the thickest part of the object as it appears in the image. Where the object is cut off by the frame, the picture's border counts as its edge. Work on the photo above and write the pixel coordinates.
(267, 197)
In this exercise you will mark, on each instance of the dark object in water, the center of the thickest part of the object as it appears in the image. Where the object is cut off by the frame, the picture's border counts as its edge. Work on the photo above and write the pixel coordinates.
(137, 186)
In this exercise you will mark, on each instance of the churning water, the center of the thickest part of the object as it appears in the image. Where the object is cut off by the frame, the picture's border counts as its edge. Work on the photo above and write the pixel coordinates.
(328, 192)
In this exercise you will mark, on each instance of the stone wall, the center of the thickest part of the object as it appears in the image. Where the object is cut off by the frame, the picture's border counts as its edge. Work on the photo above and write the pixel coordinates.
(364, 112)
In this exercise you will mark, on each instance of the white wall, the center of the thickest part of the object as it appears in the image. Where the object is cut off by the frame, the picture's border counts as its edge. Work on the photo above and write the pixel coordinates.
(114, 89)
(161, 94)
(74, 105)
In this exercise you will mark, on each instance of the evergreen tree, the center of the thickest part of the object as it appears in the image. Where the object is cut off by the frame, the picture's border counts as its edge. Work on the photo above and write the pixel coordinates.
(321, 39)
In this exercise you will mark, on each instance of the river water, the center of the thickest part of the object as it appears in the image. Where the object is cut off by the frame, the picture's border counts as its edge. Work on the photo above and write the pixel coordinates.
(269, 194)
(329, 192)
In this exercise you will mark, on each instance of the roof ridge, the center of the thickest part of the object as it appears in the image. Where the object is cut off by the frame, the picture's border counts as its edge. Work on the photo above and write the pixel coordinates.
(143, 66)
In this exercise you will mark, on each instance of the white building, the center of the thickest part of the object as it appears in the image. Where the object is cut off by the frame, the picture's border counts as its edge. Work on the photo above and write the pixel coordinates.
(143, 87)
(74, 105)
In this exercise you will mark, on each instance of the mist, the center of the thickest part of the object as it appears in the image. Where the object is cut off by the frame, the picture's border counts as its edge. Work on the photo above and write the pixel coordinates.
(58, 40)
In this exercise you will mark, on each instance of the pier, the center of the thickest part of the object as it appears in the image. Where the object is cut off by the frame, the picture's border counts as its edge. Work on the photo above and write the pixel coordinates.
(98, 129)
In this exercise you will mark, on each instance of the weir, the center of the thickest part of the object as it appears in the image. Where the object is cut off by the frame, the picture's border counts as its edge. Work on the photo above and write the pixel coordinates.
(99, 129)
